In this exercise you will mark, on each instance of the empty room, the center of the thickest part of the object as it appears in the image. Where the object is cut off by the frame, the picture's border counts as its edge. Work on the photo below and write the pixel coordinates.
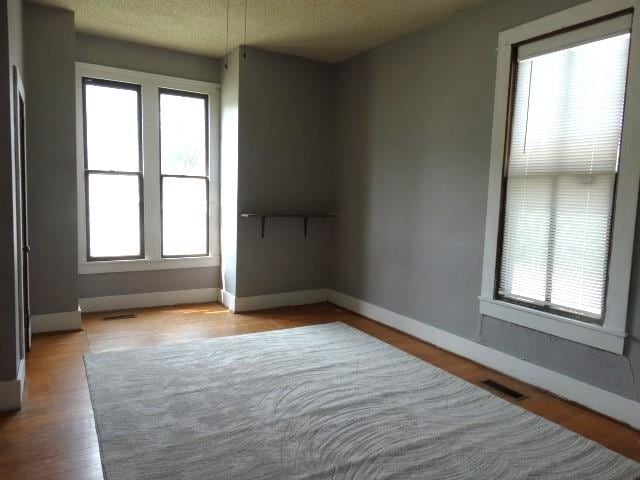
(320, 239)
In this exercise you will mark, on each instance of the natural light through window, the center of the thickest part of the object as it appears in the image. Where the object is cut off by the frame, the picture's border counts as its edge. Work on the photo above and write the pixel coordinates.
(113, 175)
(185, 181)
(183, 122)
(114, 215)
(561, 176)
(148, 151)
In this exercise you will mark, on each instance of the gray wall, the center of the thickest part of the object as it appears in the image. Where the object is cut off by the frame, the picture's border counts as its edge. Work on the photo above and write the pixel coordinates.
(51, 147)
(124, 283)
(11, 53)
(134, 56)
(144, 58)
(414, 134)
(285, 165)
(55, 283)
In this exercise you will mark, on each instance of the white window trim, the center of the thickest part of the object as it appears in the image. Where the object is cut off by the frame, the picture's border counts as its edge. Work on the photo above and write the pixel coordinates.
(152, 217)
(611, 335)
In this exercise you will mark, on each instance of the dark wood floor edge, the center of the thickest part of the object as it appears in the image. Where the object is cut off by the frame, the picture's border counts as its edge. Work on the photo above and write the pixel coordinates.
(53, 333)
(535, 387)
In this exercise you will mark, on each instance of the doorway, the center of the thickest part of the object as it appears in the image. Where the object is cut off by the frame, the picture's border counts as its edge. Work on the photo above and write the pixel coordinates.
(21, 212)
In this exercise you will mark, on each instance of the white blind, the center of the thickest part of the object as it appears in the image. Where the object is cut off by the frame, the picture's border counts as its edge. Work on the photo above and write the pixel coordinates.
(561, 173)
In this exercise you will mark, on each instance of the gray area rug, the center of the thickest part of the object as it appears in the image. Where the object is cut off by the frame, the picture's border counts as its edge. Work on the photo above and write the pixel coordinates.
(319, 402)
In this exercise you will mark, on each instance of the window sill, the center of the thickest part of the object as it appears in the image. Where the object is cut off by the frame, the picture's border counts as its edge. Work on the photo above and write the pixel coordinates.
(574, 330)
(113, 266)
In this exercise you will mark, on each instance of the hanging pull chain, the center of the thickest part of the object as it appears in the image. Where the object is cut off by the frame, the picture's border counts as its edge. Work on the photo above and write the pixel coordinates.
(244, 48)
(226, 48)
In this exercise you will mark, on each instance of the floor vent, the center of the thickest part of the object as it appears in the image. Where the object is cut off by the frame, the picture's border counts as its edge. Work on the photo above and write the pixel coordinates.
(121, 316)
(503, 389)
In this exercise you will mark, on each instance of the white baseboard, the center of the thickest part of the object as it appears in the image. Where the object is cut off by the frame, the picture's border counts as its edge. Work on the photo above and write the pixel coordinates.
(610, 404)
(145, 300)
(275, 300)
(11, 391)
(56, 322)
(227, 300)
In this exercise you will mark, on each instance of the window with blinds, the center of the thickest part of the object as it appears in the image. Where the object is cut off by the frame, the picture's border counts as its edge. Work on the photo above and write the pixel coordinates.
(560, 177)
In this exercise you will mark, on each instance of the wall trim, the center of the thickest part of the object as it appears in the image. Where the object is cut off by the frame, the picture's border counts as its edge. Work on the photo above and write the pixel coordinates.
(607, 403)
(56, 322)
(582, 332)
(151, 299)
(274, 300)
(227, 299)
(11, 391)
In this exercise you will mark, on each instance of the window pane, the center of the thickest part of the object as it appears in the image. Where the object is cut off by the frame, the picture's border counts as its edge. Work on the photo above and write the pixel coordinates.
(184, 216)
(112, 128)
(114, 215)
(563, 160)
(582, 241)
(183, 125)
(527, 224)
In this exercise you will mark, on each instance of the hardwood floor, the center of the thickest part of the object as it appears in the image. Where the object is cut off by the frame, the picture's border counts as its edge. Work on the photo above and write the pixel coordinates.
(53, 436)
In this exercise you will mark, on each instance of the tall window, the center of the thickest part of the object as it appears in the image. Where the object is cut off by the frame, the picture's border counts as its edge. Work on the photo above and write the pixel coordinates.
(564, 176)
(184, 170)
(561, 176)
(147, 158)
(113, 169)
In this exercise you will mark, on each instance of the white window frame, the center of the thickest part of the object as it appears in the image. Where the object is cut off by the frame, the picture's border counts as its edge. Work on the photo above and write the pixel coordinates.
(611, 335)
(150, 85)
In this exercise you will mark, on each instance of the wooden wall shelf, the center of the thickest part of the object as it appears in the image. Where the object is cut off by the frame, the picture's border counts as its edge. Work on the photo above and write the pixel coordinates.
(304, 216)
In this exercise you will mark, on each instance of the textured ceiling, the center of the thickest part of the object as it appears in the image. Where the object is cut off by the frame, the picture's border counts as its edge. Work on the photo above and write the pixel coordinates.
(329, 30)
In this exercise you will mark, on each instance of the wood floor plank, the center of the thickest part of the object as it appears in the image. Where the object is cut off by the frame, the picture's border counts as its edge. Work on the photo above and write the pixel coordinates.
(53, 437)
